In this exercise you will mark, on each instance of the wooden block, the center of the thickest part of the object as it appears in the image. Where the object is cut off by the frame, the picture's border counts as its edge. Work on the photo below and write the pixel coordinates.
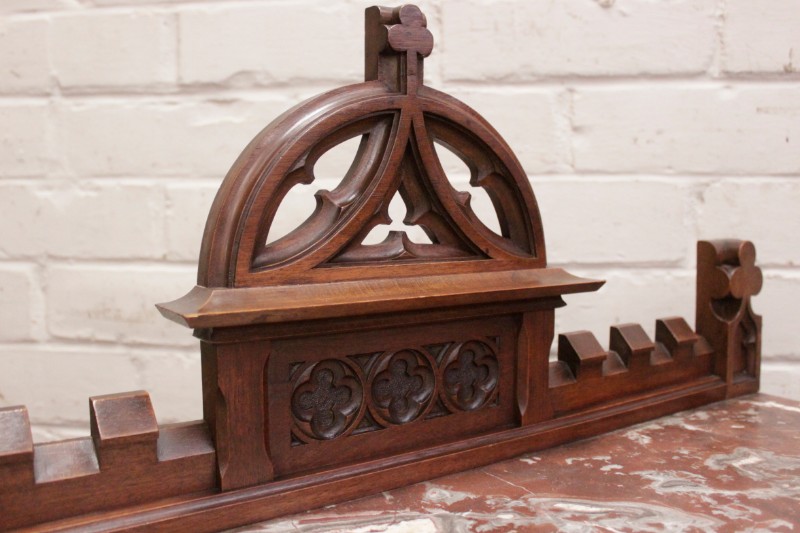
(16, 448)
(582, 353)
(559, 374)
(124, 429)
(632, 344)
(65, 460)
(702, 347)
(613, 364)
(677, 337)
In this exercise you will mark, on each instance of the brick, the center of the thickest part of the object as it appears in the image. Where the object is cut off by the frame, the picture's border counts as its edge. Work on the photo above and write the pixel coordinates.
(23, 140)
(111, 49)
(24, 65)
(162, 137)
(19, 308)
(93, 220)
(761, 210)
(776, 303)
(34, 6)
(55, 382)
(638, 220)
(761, 37)
(669, 129)
(187, 209)
(781, 379)
(529, 122)
(174, 382)
(116, 303)
(241, 45)
(525, 40)
(629, 295)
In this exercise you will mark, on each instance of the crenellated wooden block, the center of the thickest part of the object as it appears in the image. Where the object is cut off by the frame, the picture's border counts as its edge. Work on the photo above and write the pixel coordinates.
(127, 460)
(586, 374)
(124, 429)
(16, 449)
(633, 346)
(679, 340)
(582, 353)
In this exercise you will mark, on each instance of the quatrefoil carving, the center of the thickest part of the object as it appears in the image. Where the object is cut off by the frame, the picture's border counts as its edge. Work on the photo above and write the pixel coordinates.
(402, 386)
(470, 375)
(327, 399)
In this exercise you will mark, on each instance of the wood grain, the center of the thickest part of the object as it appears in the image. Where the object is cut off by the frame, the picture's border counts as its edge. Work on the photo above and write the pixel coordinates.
(333, 368)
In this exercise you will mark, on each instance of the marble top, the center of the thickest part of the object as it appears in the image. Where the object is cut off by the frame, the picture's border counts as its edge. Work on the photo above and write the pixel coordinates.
(731, 466)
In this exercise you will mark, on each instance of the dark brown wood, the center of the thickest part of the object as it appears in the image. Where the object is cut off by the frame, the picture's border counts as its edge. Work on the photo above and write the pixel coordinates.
(726, 280)
(234, 408)
(124, 429)
(127, 461)
(16, 448)
(218, 511)
(206, 307)
(586, 375)
(333, 368)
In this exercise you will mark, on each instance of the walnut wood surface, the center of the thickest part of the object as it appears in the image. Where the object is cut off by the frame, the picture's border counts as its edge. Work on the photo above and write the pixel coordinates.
(727, 279)
(209, 307)
(332, 368)
(127, 460)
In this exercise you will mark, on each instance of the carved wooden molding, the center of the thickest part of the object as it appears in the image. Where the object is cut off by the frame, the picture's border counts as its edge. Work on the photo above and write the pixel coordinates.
(398, 120)
(333, 367)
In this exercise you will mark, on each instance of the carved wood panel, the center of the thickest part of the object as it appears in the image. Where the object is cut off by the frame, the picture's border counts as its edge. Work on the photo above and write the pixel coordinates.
(328, 398)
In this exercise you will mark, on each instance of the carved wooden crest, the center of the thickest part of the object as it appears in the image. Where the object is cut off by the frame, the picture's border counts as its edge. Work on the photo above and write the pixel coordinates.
(399, 121)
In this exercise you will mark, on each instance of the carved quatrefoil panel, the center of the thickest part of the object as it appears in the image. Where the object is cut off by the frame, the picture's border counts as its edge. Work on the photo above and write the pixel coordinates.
(402, 385)
(469, 375)
(328, 399)
(337, 397)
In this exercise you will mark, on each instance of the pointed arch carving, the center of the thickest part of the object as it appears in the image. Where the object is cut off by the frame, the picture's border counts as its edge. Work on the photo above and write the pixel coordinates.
(398, 120)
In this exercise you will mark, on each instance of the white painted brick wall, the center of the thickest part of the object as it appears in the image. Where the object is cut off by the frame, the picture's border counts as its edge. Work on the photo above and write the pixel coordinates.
(145, 132)
(20, 305)
(82, 219)
(644, 126)
(240, 44)
(115, 304)
(761, 37)
(24, 63)
(513, 40)
(101, 50)
(674, 128)
(24, 138)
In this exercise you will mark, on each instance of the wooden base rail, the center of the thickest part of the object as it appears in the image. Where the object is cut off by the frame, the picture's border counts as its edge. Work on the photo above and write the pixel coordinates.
(334, 366)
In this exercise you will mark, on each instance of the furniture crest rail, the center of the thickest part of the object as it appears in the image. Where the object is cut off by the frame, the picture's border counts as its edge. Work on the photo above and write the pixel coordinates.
(334, 366)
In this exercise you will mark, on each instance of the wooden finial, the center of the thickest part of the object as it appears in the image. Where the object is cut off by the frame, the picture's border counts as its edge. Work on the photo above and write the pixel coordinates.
(396, 41)
(736, 274)
(727, 278)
